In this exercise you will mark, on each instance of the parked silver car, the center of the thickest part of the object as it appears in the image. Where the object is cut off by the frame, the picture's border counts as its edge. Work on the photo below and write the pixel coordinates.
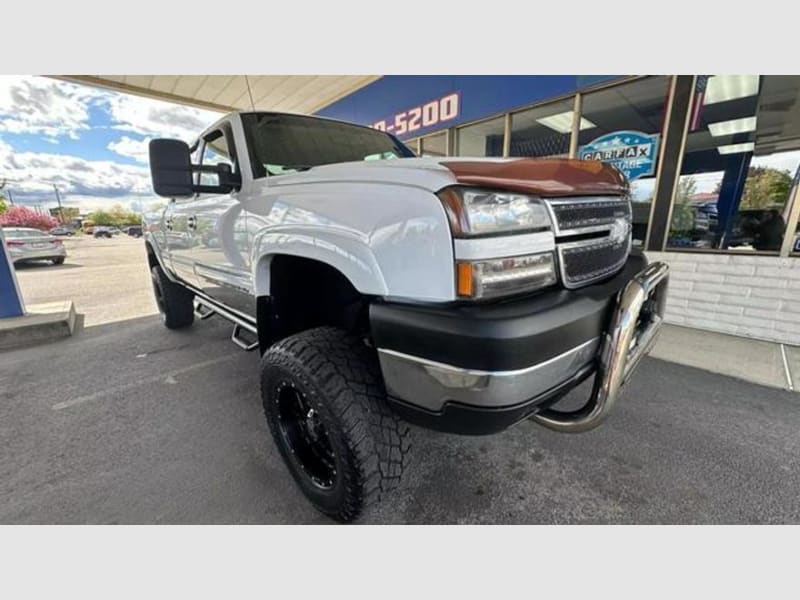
(26, 243)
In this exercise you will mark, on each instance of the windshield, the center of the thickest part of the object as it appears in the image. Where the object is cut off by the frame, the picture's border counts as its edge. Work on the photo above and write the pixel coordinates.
(289, 143)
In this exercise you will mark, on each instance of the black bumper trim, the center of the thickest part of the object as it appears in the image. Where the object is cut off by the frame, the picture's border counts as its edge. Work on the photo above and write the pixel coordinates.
(502, 336)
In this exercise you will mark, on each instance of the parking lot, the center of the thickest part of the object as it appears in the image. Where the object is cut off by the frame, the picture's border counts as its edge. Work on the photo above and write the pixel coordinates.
(107, 279)
(128, 422)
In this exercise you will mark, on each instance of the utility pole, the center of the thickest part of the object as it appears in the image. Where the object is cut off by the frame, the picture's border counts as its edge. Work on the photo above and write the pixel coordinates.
(10, 197)
(60, 208)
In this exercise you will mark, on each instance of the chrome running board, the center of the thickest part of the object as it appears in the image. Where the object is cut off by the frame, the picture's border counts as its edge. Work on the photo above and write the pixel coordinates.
(205, 309)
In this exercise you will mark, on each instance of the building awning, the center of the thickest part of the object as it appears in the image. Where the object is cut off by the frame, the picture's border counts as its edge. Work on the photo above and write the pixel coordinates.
(303, 94)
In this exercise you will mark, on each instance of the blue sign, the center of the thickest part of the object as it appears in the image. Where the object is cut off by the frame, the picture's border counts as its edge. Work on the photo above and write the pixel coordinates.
(632, 152)
(429, 114)
(413, 105)
(10, 298)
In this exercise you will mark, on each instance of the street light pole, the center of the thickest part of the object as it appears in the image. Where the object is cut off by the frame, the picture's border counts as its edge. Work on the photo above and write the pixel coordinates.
(60, 208)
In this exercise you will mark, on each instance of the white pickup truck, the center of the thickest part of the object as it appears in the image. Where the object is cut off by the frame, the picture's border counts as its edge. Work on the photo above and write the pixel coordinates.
(381, 288)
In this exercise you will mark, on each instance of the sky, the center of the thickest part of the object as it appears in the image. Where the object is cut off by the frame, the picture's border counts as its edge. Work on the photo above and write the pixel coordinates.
(90, 142)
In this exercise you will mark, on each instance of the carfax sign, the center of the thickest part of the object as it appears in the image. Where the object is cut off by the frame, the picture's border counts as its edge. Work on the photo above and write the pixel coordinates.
(632, 152)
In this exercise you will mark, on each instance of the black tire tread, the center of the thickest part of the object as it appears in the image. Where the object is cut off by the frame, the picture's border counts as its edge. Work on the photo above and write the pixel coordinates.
(347, 372)
(178, 301)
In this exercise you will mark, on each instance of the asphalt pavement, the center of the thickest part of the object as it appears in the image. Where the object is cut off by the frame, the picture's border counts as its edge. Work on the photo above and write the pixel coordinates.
(131, 423)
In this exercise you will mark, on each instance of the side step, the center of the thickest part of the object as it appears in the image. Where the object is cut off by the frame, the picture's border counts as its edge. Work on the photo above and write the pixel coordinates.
(204, 309)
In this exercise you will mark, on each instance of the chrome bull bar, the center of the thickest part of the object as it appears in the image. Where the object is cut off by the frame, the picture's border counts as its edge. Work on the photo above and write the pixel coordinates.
(633, 329)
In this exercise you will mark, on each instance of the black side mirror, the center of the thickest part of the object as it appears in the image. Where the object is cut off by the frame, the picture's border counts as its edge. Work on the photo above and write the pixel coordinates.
(171, 171)
(171, 168)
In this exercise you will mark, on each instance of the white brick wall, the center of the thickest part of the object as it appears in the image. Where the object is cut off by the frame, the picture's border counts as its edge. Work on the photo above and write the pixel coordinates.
(751, 296)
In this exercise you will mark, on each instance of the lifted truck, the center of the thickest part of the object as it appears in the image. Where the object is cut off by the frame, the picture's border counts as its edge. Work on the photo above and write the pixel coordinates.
(383, 289)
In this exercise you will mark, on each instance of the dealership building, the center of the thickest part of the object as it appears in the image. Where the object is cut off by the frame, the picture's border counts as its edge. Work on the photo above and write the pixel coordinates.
(714, 164)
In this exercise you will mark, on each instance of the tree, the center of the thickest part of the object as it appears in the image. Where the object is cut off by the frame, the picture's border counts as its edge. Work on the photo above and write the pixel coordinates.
(683, 211)
(3, 205)
(116, 216)
(21, 216)
(765, 188)
(101, 217)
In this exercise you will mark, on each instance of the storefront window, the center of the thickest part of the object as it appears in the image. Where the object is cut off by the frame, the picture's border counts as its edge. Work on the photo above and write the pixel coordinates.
(542, 131)
(742, 155)
(794, 216)
(433, 145)
(481, 139)
(638, 106)
(413, 145)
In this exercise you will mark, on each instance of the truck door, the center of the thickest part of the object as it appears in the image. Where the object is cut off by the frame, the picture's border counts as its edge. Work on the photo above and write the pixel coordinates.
(220, 252)
(177, 234)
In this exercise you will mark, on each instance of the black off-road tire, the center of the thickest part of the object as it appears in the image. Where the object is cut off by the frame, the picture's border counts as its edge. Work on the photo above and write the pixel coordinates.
(58, 261)
(339, 379)
(175, 302)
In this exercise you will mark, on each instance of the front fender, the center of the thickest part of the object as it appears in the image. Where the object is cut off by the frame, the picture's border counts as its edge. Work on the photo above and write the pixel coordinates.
(340, 249)
(388, 240)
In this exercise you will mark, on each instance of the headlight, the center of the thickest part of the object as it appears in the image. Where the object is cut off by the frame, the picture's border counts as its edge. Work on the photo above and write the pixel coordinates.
(475, 212)
(504, 276)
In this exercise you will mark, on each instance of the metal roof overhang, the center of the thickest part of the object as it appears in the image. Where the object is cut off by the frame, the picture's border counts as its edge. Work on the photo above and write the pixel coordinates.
(303, 94)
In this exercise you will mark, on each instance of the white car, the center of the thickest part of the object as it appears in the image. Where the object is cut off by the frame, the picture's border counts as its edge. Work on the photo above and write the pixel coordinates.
(459, 294)
(28, 244)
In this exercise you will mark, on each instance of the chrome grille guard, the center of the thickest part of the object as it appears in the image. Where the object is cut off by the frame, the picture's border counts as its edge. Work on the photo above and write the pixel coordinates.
(627, 340)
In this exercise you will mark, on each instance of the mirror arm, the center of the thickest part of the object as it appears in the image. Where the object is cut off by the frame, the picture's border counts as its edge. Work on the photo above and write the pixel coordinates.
(211, 189)
(205, 169)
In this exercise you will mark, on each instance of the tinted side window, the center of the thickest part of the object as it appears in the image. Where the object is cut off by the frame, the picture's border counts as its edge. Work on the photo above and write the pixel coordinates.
(216, 151)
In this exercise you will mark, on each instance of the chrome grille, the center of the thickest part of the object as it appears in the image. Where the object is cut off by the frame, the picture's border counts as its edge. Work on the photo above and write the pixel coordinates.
(607, 223)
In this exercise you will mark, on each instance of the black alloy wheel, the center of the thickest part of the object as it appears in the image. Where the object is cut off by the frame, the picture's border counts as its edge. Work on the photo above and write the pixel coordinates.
(304, 434)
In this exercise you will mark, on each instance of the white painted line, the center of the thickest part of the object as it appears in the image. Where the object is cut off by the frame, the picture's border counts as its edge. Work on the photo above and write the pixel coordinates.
(168, 377)
(786, 368)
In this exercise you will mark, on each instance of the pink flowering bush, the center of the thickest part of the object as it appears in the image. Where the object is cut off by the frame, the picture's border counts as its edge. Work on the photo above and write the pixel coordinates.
(20, 216)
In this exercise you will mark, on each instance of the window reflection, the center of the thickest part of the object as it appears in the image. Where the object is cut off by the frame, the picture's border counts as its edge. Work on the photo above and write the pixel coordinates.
(544, 130)
(742, 156)
(434, 145)
(481, 139)
(639, 105)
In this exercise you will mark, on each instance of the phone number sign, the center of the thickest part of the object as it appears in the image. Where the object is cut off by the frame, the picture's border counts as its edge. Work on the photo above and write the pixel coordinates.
(421, 117)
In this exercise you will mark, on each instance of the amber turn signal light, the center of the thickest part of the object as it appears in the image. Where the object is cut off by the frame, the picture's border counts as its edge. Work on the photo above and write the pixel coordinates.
(464, 283)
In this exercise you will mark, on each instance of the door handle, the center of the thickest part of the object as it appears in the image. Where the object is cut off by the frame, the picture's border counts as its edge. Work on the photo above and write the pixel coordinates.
(191, 222)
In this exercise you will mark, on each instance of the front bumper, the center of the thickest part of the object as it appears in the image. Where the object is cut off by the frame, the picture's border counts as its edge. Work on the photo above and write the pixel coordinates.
(516, 359)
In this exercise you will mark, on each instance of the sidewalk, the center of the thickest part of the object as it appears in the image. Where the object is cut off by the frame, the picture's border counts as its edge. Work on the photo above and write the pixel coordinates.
(766, 363)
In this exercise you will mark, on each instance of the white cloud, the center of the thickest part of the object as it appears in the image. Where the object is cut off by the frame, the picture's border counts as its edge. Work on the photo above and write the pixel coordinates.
(86, 204)
(53, 108)
(37, 105)
(135, 149)
(33, 173)
(156, 118)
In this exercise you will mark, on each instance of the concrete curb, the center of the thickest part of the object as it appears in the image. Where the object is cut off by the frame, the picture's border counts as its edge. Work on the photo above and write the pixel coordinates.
(42, 323)
(756, 361)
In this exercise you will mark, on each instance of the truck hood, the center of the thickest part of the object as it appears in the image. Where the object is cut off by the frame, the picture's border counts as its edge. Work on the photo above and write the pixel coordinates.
(539, 176)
